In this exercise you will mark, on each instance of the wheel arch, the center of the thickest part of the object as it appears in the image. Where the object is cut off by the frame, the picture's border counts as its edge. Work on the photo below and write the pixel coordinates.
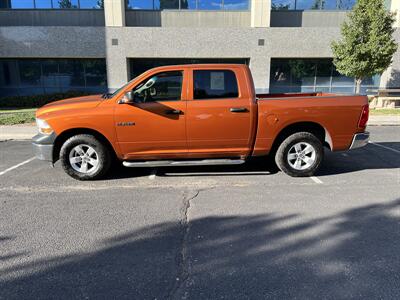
(65, 135)
(312, 127)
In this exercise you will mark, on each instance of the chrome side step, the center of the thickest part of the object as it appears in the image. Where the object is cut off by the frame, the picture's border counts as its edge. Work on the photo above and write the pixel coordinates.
(182, 163)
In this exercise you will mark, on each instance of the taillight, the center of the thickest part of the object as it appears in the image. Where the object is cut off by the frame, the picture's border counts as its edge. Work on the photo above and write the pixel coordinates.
(364, 117)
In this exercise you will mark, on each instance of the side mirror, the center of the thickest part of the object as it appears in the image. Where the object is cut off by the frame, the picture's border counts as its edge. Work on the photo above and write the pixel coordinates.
(127, 98)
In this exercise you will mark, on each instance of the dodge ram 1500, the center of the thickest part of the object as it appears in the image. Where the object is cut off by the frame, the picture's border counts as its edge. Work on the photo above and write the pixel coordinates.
(197, 115)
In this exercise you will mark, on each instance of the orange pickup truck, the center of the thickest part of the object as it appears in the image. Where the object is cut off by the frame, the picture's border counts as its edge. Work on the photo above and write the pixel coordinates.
(197, 115)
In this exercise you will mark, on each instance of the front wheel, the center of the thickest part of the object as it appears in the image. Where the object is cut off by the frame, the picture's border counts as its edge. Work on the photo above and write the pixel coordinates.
(300, 154)
(84, 157)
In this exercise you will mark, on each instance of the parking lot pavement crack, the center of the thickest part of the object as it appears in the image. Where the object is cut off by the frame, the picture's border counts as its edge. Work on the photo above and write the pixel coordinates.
(182, 259)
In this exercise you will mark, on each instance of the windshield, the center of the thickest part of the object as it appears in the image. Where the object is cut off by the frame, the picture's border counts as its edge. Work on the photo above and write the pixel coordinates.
(110, 95)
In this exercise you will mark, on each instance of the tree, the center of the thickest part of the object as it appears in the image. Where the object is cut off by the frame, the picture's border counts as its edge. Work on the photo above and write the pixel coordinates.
(367, 44)
(66, 4)
(280, 6)
(100, 3)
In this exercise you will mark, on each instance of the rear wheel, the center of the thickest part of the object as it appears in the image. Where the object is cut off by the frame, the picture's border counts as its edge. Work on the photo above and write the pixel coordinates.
(300, 154)
(83, 157)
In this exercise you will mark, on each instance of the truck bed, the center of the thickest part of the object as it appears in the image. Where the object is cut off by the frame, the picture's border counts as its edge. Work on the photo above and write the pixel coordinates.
(296, 95)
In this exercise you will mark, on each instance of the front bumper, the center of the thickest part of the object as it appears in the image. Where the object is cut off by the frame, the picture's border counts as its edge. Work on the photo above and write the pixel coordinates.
(43, 146)
(360, 140)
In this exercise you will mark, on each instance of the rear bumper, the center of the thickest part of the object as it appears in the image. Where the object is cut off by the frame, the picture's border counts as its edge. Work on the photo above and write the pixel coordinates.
(43, 146)
(360, 140)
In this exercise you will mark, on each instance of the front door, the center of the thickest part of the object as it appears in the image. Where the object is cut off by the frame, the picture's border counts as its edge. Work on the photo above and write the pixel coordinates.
(154, 126)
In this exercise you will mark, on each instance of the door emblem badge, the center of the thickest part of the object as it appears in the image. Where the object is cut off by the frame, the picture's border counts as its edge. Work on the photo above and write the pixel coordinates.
(126, 124)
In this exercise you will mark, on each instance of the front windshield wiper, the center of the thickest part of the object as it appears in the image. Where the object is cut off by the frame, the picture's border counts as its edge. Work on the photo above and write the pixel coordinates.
(106, 95)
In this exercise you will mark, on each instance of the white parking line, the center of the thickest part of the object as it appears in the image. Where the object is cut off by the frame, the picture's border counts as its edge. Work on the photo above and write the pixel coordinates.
(387, 148)
(17, 166)
(316, 180)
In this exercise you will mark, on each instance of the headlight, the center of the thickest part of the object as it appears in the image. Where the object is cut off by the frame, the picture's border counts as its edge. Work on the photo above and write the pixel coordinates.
(44, 127)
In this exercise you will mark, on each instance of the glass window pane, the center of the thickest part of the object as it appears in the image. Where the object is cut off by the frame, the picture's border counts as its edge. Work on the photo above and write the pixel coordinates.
(215, 84)
(43, 3)
(65, 4)
(283, 4)
(324, 72)
(50, 73)
(309, 4)
(9, 74)
(140, 4)
(341, 80)
(30, 72)
(91, 4)
(188, 4)
(236, 5)
(324, 89)
(303, 72)
(166, 4)
(22, 4)
(343, 90)
(280, 74)
(210, 4)
(5, 4)
(71, 74)
(166, 86)
(95, 72)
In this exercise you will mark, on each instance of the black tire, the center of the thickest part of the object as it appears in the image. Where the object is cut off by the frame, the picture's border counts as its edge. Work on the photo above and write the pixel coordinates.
(102, 155)
(282, 159)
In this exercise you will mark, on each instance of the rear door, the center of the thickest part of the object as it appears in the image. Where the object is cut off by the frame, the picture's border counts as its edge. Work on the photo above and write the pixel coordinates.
(155, 126)
(219, 113)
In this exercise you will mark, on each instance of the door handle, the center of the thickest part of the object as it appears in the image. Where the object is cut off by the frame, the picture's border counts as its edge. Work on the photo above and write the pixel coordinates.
(174, 112)
(239, 109)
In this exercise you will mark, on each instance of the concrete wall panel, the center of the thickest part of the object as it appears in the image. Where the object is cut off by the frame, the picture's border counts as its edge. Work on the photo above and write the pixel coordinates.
(46, 42)
(216, 42)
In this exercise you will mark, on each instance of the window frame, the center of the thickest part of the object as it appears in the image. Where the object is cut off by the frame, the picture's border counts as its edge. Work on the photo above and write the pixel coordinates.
(34, 7)
(182, 97)
(216, 69)
(294, 4)
(187, 9)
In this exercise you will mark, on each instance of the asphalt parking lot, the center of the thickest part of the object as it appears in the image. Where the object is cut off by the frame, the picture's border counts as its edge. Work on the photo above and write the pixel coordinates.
(244, 232)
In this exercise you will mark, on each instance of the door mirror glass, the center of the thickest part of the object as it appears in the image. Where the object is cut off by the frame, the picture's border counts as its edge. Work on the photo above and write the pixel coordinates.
(127, 98)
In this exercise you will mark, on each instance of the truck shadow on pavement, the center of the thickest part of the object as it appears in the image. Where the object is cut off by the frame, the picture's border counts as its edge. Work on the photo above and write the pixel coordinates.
(351, 254)
(369, 157)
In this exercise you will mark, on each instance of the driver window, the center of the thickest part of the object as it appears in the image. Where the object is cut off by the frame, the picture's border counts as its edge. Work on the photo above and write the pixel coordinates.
(165, 86)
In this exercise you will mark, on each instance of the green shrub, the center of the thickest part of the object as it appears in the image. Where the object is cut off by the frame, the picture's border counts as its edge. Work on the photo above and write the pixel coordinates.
(36, 100)
(17, 117)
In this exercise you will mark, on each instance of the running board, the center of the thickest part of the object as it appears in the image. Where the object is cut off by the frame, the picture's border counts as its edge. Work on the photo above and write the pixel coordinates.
(182, 163)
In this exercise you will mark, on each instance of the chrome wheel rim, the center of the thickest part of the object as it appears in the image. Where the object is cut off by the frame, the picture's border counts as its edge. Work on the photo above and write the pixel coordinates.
(84, 159)
(301, 156)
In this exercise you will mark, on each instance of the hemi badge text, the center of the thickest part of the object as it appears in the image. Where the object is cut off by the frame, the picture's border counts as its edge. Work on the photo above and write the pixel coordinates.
(125, 124)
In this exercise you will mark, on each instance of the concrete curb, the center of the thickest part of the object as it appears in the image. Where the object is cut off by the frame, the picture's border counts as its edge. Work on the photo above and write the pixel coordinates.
(384, 120)
(17, 132)
(26, 132)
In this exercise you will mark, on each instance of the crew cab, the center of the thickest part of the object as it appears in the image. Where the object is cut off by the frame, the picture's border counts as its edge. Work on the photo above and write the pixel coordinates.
(206, 114)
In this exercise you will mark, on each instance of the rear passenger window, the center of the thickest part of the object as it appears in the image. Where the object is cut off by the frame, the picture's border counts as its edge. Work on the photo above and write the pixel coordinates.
(215, 84)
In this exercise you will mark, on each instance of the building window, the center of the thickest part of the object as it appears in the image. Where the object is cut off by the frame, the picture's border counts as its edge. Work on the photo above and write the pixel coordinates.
(188, 4)
(313, 75)
(52, 4)
(46, 76)
(313, 4)
(141, 65)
